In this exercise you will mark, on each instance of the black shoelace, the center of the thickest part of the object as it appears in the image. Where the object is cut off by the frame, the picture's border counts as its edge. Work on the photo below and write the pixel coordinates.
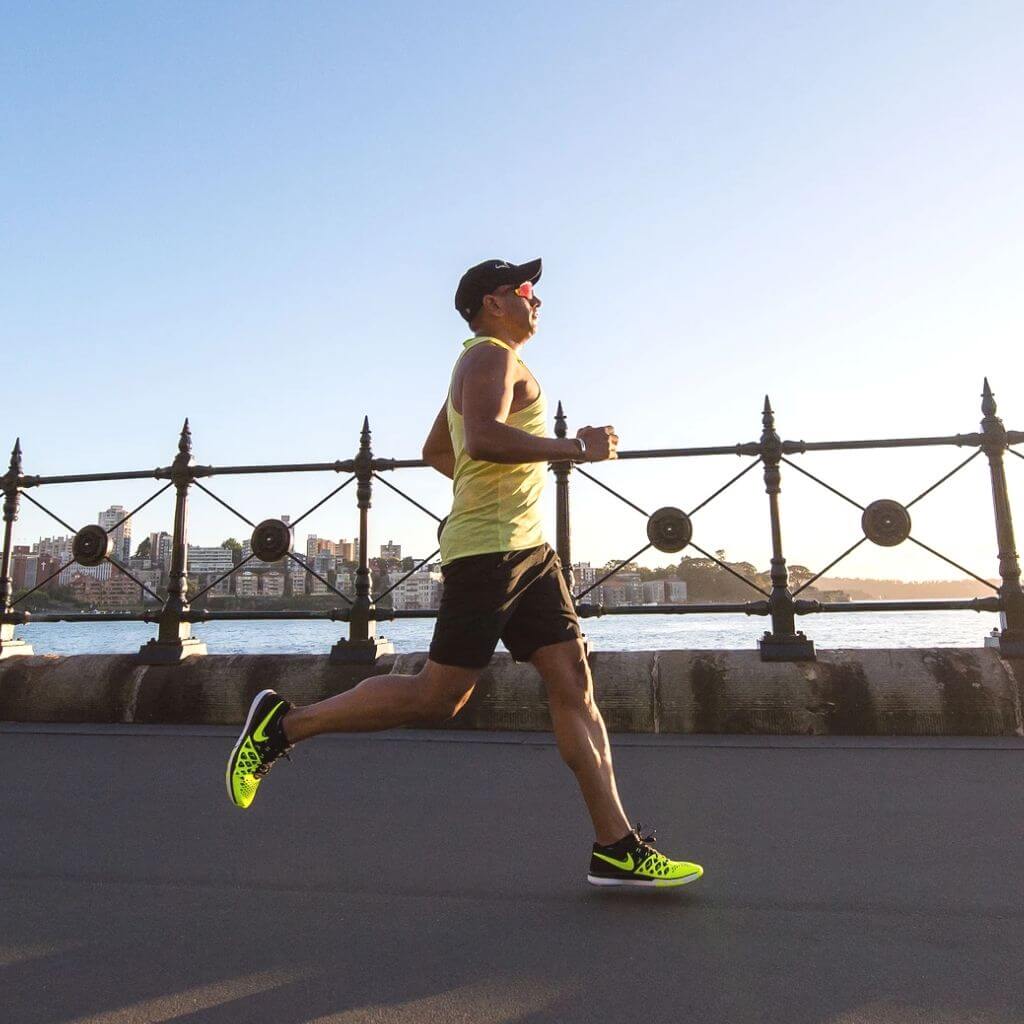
(269, 757)
(644, 844)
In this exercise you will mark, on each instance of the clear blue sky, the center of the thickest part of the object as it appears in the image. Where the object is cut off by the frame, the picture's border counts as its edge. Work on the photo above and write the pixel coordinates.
(256, 214)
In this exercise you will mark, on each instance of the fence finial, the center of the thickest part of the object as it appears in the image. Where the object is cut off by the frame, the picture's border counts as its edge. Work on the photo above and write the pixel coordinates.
(185, 440)
(16, 457)
(767, 416)
(988, 400)
(560, 427)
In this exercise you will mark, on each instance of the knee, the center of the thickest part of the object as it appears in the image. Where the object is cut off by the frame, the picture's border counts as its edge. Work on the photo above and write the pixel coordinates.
(445, 707)
(443, 703)
(574, 690)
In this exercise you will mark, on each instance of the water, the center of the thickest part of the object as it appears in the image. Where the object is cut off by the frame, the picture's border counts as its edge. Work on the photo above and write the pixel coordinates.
(619, 633)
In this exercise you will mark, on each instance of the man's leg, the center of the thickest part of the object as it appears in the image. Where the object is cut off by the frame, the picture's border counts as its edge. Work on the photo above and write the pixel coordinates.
(436, 692)
(581, 735)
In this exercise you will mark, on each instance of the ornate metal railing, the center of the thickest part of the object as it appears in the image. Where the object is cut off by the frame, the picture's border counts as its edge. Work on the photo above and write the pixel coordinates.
(669, 529)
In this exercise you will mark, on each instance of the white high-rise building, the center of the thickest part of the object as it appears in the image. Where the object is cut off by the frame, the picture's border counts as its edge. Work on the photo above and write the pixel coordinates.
(56, 547)
(664, 591)
(160, 549)
(100, 572)
(208, 560)
(273, 584)
(247, 584)
(298, 578)
(122, 535)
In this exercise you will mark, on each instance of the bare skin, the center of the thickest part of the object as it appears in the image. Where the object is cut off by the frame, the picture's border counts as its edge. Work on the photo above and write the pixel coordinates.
(490, 383)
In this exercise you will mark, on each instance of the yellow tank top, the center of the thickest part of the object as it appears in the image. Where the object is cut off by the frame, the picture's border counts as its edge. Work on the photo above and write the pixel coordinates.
(495, 506)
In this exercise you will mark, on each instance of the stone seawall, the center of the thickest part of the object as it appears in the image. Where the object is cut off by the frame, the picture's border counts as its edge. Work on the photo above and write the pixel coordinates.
(920, 692)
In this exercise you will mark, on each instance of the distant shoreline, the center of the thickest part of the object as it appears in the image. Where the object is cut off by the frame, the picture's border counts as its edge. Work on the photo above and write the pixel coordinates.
(855, 589)
(896, 590)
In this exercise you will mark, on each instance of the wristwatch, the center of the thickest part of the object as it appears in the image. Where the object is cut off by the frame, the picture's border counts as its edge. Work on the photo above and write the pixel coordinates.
(583, 448)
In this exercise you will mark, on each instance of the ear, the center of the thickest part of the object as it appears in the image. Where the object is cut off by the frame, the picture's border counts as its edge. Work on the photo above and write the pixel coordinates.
(492, 306)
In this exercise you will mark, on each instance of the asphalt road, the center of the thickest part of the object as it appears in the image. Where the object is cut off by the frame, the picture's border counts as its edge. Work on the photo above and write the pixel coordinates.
(427, 877)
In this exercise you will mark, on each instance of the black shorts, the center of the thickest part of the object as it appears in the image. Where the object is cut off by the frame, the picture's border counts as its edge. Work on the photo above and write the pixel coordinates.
(518, 597)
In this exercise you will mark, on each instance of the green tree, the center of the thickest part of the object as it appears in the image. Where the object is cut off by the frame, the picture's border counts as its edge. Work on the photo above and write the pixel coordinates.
(708, 582)
(234, 547)
(142, 551)
(798, 576)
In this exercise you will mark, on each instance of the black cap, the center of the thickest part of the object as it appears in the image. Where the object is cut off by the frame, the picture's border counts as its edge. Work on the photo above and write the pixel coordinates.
(485, 277)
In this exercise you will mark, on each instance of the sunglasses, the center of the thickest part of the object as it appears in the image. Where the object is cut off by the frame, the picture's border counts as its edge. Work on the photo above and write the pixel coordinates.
(524, 291)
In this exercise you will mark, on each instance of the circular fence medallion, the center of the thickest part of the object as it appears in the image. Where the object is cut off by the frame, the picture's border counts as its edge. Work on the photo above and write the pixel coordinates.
(91, 545)
(669, 529)
(271, 540)
(886, 522)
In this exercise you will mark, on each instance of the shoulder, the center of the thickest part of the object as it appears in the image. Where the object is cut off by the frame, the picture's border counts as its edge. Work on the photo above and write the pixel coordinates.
(489, 358)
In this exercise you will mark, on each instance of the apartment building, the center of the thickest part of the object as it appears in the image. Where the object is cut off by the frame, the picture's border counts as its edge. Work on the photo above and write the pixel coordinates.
(421, 590)
(120, 532)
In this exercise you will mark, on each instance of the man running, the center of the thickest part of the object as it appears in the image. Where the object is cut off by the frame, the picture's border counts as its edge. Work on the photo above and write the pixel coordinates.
(501, 581)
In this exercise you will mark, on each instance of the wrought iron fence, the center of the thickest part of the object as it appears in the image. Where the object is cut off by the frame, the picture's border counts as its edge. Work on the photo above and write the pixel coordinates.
(884, 521)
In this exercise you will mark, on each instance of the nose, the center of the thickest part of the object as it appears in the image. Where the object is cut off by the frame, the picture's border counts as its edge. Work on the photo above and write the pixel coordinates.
(535, 301)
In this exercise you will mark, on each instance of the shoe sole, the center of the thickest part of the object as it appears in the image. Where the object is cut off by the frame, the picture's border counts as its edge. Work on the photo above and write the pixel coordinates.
(643, 883)
(241, 739)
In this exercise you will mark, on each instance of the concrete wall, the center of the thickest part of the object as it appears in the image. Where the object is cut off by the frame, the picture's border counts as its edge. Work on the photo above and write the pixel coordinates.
(934, 691)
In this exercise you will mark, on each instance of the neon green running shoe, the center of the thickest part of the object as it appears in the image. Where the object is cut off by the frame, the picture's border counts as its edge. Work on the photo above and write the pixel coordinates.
(634, 861)
(259, 745)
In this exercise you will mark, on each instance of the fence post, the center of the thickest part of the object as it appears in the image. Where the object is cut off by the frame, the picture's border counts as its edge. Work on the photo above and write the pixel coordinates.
(783, 643)
(1011, 637)
(563, 526)
(10, 645)
(362, 646)
(174, 641)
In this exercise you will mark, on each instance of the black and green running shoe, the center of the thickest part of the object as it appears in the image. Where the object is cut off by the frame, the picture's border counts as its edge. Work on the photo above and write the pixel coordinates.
(260, 744)
(633, 861)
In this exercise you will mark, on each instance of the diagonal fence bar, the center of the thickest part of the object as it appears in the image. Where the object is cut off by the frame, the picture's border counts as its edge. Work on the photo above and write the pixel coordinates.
(322, 501)
(725, 487)
(610, 490)
(608, 575)
(412, 501)
(312, 572)
(221, 501)
(853, 547)
(152, 497)
(412, 572)
(729, 569)
(956, 565)
(952, 472)
(220, 579)
(39, 586)
(818, 480)
(117, 565)
(56, 518)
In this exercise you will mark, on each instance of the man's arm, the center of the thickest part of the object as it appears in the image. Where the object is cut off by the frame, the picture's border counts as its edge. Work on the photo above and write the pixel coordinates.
(437, 449)
(487, 391)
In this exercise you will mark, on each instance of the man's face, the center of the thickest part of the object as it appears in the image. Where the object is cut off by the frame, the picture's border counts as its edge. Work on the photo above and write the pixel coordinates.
(519, 308)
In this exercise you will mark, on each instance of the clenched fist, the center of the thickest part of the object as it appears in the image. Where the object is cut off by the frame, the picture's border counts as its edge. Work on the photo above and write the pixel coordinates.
(601, 443)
